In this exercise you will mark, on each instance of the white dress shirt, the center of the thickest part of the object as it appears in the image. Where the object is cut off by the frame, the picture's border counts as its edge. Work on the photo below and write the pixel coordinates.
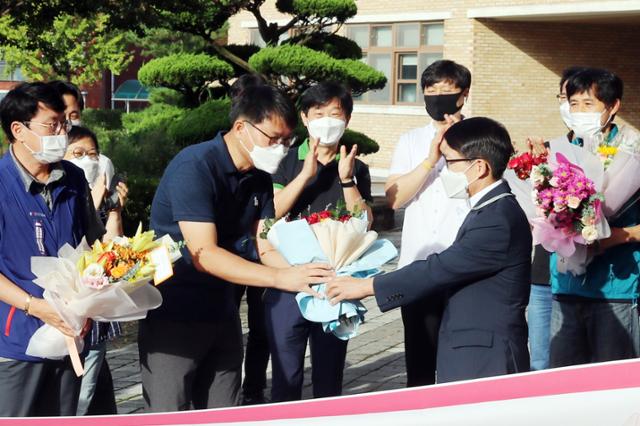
(478, 196)
(431, 219)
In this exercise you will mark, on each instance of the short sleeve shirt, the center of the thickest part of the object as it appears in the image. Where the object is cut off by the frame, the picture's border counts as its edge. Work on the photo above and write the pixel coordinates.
(201, 184)
(431, 219)
(324, 189)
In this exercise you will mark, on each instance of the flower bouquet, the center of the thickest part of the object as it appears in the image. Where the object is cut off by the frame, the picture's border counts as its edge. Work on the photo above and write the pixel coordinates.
(569, 208)
(523, 164)
(340, 238)
(105, 282)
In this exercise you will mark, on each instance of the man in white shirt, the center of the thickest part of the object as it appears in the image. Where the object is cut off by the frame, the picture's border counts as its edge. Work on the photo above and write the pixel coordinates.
(431, 219)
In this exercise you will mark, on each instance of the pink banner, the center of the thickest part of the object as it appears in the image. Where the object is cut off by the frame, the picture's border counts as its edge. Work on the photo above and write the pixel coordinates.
(595, 379)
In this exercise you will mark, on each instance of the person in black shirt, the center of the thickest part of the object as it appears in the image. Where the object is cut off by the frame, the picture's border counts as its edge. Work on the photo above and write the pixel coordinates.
(309, 179)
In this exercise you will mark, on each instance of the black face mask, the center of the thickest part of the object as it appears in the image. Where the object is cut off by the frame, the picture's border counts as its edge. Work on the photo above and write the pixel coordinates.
(439, 105)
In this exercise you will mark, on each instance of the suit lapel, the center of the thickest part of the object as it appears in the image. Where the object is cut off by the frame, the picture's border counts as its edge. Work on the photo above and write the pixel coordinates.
(503, 188)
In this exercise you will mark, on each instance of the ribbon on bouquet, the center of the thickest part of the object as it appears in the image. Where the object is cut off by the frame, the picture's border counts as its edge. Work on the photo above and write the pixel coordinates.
(74, 355)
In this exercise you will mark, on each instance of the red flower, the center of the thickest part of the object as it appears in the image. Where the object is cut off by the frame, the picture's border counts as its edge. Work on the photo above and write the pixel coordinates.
(523, 163)
(325, 214)
(312, 218)
(345, 218)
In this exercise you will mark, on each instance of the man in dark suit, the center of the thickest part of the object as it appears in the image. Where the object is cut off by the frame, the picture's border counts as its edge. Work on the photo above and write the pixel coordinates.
(484, 275)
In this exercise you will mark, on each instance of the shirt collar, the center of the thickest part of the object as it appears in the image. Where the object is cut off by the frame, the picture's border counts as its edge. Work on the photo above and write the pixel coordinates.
(610, 137)
(303, 151)
(56, 173)
(477, 197)
(222, 153)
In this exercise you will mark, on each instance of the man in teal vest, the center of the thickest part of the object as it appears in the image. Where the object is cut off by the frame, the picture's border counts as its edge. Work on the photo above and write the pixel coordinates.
(595, 315)
(44, 204)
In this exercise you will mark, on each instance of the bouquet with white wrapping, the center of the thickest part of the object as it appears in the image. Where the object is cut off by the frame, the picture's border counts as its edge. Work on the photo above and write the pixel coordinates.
(106, 282)
(341, 239)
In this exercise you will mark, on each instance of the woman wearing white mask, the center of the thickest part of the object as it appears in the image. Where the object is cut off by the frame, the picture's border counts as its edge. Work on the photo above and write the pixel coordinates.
(83, 151)
(319, 173)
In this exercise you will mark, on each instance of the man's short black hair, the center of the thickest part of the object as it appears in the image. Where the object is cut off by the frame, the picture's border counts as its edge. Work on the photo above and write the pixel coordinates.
(78, 132)
(21, 104)
(482, 138)
(243, 82)
(605, 85)
(259, 103)
(445, 70)
(570, 72)
(67, 88)
(323, 93)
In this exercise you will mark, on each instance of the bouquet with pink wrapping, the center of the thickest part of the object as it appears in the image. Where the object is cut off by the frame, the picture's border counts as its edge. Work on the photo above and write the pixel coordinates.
(569, 208)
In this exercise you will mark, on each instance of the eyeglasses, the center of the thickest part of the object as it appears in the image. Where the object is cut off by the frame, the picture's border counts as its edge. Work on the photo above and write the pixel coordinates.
(54, 127)
(457, 160)
(561, 98)
(80, 153)
(275, 139)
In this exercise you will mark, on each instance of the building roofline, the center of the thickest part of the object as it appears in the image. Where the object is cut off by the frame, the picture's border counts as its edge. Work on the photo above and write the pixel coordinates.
(558, 11)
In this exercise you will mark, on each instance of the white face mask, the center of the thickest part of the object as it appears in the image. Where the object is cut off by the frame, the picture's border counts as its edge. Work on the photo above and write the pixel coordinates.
(587, 125)
(266, 159)
(456, 184)
(565, 114)
(52, 148)
(327, 130)
(90, 167)
(76, 123)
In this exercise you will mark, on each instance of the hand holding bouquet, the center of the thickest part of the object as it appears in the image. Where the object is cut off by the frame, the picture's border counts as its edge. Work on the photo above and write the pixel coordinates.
(340, 238)
(106, 282)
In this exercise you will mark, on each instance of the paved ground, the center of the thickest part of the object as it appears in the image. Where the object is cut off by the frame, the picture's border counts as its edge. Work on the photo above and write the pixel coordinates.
(375, 358)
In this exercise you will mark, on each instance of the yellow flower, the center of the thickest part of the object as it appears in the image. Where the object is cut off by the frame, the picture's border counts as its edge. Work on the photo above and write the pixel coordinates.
(608, 151)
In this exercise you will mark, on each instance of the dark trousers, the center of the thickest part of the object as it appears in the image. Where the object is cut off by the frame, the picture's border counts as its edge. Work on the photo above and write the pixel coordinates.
(593, 331)
(288, 333)
(187, 364)
(48, 388)
(257, 351)
(421, 321)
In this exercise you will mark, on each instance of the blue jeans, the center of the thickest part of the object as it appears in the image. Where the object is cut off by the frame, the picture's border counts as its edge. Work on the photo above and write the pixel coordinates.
(539, 320)
(92, 365)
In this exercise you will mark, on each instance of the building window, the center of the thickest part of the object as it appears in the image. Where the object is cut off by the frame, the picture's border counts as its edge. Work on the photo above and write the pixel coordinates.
(7, 75)
(401, 52)
(256, 39)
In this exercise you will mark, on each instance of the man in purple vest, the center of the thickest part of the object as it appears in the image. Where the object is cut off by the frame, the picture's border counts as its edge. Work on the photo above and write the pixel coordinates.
(44, 204)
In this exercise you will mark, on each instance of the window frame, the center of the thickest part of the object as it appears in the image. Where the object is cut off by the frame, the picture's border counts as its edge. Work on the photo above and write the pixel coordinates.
(395, 51)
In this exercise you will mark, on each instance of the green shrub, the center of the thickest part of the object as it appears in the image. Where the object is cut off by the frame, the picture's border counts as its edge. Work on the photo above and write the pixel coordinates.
(200, 124)
(337, 46)
(317, 66)
(190, 74)
(338, 9)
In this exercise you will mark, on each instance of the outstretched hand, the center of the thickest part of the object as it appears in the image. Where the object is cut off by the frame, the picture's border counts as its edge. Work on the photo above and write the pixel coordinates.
(348, 288)
(300, 278)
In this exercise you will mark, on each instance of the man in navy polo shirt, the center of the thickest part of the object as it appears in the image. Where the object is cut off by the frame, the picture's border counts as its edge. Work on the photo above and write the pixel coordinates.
(44, 204)
(213, 196)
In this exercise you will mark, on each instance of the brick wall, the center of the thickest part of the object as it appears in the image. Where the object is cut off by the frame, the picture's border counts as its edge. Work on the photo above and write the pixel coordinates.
(516, 66)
